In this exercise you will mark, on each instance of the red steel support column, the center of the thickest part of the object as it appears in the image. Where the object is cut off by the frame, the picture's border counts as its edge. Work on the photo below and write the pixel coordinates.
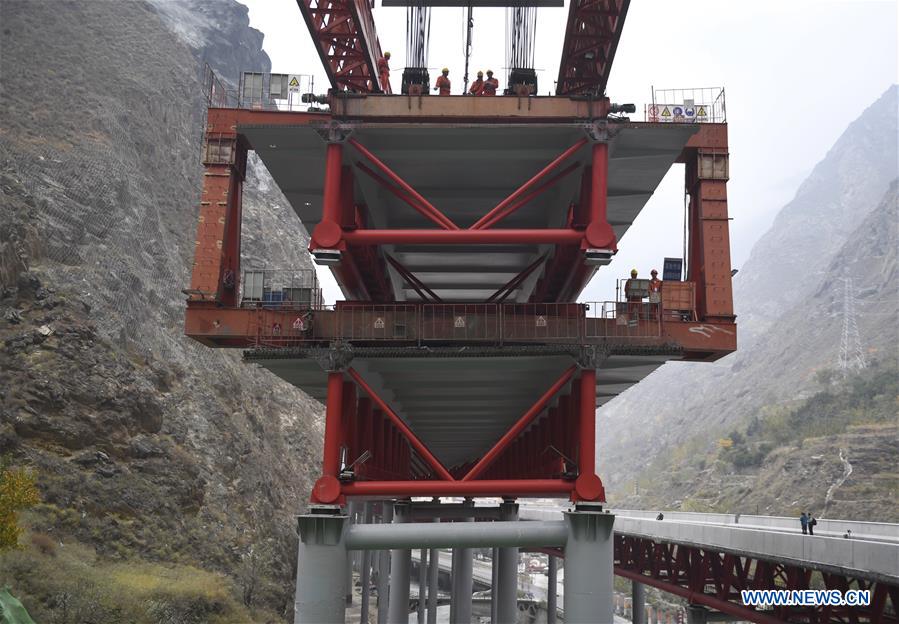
(327, 233)
(327, 488)
(599, 171)
(588, 486)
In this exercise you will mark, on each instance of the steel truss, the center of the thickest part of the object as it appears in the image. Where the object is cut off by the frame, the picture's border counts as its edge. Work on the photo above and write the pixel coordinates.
(714, 579)
(370, 451)
(591, 38)
(344, 35)
(343, 229)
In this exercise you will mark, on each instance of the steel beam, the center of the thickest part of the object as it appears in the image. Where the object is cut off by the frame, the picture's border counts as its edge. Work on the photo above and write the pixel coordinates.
(423, 592)
(494, 582)
(505, 534)
(321, 571)
(433, 583)
(480, 487)
(546, 236)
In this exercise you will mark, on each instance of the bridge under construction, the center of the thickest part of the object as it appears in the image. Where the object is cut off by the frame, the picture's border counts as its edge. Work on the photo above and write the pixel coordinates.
(462, 231)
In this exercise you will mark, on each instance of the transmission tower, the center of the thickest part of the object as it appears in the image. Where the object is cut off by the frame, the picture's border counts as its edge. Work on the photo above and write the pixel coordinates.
(851, 356)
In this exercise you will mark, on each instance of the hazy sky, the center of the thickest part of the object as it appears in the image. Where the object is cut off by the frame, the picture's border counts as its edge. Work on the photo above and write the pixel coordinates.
(796, 73)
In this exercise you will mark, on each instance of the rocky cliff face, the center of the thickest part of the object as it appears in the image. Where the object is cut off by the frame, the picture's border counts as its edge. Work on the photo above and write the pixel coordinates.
(789, 297)
(146, 446)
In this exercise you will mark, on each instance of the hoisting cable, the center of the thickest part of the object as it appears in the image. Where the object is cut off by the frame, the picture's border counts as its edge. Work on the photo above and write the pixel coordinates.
(521, 31)
(469, 24)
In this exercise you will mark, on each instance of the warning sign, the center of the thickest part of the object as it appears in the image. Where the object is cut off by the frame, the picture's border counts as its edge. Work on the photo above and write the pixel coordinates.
(293, 83)
(299, 324)
(541, 321)
(679, 113)
(379, 322)
(459, 322)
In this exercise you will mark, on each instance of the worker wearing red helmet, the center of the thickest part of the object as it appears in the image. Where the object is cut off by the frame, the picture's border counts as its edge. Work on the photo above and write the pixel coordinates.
(477, 87)
(491, 84)
(443, 82)
(384, 71)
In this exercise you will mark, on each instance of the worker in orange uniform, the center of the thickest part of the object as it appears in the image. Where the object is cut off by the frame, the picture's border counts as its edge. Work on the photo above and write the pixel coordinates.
(384, 71)
(477, 87)
(491, 84)
(655, 287)
(443, 82)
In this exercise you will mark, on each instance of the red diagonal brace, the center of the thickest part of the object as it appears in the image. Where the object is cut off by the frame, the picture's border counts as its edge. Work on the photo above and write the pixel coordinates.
(417, 444)
(424, 206)
(526, 198)
(404, 196)
(527, 186)
(417, 284)
(519, 426)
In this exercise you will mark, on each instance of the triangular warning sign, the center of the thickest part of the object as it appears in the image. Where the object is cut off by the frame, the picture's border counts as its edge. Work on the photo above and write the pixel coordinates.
(294, 82)
(701, 112)
(666, 112)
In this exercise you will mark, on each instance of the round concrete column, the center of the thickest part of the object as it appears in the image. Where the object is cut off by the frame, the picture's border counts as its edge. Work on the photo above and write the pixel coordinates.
(588, 565)
(400, 563)
(321, 568)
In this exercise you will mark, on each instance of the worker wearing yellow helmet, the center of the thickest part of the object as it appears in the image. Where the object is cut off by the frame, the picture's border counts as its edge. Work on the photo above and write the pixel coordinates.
(491, 84)
(634, 293)
(443, 82)
(477, 87)
(384, 71)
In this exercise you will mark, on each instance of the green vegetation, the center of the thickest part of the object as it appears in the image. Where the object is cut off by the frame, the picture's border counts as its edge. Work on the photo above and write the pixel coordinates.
(17, 492)
(73, 584)
(867, 397)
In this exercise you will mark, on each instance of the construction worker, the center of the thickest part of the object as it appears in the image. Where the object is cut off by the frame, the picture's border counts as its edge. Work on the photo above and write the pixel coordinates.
(384, 71)
(443, 82)
(655, 287)
(477, 87)
(634, 291)
(491, 84)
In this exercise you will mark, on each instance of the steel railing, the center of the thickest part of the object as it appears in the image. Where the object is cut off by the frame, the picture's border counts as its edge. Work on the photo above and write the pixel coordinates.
(259, 91)
(280, 289)
(277, 323)
(699, 105)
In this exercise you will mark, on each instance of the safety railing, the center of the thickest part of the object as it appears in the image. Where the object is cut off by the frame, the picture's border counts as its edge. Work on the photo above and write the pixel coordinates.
(259, 91)
(461, 322)
(623, 320)
(391, 322)
(543, 321)
(700, 105)
(280, 289)
(277, 323)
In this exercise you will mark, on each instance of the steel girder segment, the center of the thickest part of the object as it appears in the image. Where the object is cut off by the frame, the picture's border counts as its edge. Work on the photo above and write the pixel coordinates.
(591, 38)
(345, 37)
(705, 576)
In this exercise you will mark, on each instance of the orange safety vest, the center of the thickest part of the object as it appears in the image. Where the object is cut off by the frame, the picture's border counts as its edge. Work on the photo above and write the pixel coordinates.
(490, 86)
(443, 83)
(655, 285)
(477, 87)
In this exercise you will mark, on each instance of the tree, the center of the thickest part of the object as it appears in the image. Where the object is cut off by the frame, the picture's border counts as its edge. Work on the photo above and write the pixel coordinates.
(18, 491)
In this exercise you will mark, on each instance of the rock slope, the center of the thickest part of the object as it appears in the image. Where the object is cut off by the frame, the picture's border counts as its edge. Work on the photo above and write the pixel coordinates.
(145, 444)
